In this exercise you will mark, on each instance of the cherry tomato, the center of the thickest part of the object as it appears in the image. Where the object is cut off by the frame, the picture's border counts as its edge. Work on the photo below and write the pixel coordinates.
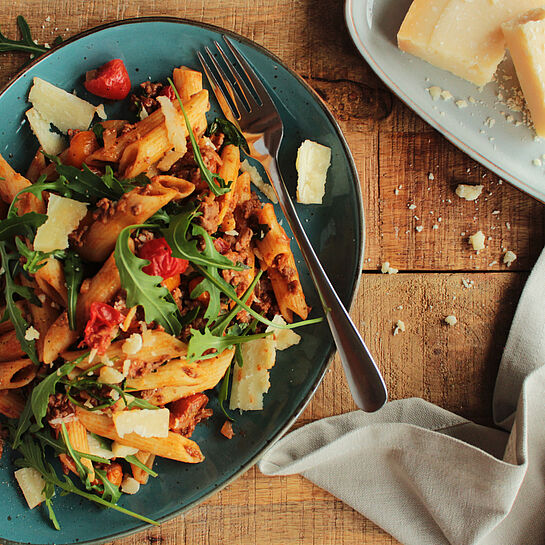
(109, 81)
(159, 254)
(101, 327)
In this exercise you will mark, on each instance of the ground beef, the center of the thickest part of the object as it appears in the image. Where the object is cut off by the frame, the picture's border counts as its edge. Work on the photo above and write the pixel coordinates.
(187, 412)
(105, 210)
(217, 139)
(210, 209)
(264, 300)
(59, 407)
(139, 368)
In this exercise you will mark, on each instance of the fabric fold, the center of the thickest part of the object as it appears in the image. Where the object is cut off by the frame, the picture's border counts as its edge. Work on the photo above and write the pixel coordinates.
(428, 476)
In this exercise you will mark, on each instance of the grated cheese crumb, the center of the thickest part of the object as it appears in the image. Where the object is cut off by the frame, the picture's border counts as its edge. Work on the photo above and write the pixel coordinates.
(451, 320)
(509, 257)
(399, 327)
(387, 269)
(477, 241)
(469, 192)
(32, 334)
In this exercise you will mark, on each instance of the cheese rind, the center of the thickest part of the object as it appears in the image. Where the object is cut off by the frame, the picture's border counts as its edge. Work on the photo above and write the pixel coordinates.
(461, 36)
(525, 38)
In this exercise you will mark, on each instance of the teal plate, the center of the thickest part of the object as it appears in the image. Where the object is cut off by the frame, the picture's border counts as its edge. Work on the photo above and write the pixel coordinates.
(151, 48)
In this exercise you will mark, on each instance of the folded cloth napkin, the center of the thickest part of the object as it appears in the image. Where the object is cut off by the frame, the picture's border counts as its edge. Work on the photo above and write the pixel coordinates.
(430, 477)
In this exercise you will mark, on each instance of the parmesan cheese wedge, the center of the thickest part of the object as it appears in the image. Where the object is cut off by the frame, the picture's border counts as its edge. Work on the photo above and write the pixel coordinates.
(461, 36)
(51, 142)
(312, 163)
(32, 485)
(143, 422)
(63, 109)
(526, 41)
(63, 216)
(251, 381)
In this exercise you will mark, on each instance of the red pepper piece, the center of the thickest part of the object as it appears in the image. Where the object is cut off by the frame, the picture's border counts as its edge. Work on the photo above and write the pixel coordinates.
(109, 81)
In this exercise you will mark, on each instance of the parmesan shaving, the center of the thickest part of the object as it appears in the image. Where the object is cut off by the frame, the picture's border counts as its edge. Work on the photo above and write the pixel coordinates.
(312, 163)
(175, 130)
(51, 142)
(257, 180)
(143, 422)
(32, 485)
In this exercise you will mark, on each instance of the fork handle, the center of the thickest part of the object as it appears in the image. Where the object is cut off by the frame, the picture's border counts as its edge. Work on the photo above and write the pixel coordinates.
(364, 379)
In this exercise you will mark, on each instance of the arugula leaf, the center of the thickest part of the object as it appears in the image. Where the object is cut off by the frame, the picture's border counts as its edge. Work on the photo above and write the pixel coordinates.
(59, 446)
(143, 289)
(98, 129)
(176, 236)
(139, 403)
(24, 225)
(132, 459)
(83, 470)
(35, 259)
(33, 456)
(26, 43)
(39, 399)
(215, 182)
(224, 392)
(73, 274)
(200, 342)
(13, 312)
(111, 492)
(232, 133)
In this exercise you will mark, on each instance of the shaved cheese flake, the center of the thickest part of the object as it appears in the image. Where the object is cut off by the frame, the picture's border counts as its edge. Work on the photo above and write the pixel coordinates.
(284, 338)
(251, 381)
(257, 180)
(63, 216)
(130, 485)
(175, 130)
(32, 485)
(143, 422)
(64, 110)
(97, 449)
(51, 142)
(109, 375)
(312, 163)
(122, 451)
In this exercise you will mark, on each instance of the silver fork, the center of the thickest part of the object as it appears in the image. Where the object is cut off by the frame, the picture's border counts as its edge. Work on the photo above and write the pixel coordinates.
(261, 123)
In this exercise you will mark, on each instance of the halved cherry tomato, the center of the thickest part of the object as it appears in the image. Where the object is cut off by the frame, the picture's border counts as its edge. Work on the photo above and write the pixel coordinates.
(81, 146)
(109, 81)
(102, 326)
(159, 254)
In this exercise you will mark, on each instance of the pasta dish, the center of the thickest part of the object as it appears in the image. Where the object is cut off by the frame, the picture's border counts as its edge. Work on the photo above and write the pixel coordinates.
(140, 270)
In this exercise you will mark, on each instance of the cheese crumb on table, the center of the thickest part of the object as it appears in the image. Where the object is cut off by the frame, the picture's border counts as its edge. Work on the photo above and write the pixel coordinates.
(386, 268)
(509, 257)
(312, 163)
(525, 36)
(451, 320)
(399, 327)
(477, 241)
(469, 192)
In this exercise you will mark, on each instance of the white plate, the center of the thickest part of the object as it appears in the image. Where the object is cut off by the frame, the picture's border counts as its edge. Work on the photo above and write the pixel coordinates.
(487, 129)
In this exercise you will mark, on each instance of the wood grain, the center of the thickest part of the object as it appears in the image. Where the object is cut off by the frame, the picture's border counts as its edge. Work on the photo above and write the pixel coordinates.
(455, 366)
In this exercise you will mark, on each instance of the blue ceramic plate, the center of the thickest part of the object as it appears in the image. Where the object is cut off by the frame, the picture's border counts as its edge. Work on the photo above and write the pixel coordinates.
(151, 48)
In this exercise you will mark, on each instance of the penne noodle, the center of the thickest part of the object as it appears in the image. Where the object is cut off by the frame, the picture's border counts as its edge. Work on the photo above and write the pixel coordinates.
(138, 473)
(134, 207)
(16, 374)
(36, 166)
(228, 170)
(10, 347)
(175, 446)
(77, 435)
(11, 403)
(183, 187)
(187, 378)
(101, 288)
(277, 259)
(58, 338)
(187, 82)
(7, 325)
(11, 183)
(151, 147)
(42, 319)
(157, 346)
(241, 193)
(50, 279)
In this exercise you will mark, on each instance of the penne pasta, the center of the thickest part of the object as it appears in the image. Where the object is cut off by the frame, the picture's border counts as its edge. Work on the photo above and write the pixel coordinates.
(10, 347)
(228, 170)
(16, 374)
(50, 279)
(11, 183)
(175, 446)
(11, 403)
(77, 435)
(138, 473)
(134, 207)
(188, 378)
(277, 258)
(57, 339)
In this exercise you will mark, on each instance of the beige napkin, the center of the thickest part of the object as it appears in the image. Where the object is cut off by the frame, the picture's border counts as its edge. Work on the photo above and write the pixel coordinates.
(429, 477)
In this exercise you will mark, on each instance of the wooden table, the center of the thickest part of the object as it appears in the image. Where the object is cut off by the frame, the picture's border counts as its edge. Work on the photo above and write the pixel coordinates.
(454, 367)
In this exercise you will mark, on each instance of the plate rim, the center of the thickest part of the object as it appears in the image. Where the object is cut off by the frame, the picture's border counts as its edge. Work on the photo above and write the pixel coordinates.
(360, 227)
(365, 52)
